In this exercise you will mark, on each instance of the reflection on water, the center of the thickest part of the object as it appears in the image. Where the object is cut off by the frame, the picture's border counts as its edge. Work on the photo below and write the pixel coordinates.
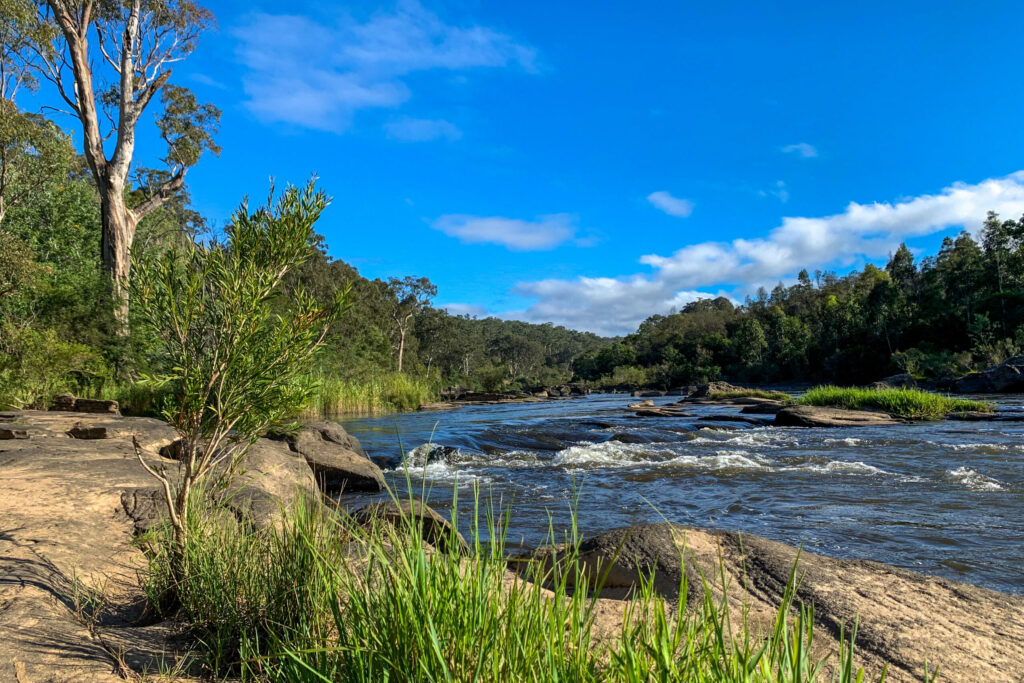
(944, 498)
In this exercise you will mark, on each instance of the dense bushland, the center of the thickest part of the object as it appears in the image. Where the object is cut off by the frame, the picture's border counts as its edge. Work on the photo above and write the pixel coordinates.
(958, 310)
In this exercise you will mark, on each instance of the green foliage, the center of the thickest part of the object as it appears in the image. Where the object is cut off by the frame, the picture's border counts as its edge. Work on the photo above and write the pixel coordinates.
(234, 366)
(911, 404)
(186, 126)
(333, 395)
(36, 365)
(321, 598)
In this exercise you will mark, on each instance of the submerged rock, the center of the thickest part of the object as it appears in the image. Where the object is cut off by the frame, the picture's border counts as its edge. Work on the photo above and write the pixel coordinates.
(428, 453)
(820, 416)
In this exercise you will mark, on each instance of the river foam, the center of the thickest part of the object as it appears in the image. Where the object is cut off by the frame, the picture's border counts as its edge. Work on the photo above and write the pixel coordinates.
(974, 480)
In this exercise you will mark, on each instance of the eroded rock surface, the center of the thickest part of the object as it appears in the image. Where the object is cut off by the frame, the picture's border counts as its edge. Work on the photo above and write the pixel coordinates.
(819, 416)
(73, 495)
(905, 618)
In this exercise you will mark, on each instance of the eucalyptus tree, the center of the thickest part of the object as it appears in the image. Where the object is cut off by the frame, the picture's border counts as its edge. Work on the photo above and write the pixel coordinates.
(136, 42)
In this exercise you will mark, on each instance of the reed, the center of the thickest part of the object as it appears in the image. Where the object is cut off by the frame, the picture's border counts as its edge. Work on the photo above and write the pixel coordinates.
(910, 404)
(332, 396)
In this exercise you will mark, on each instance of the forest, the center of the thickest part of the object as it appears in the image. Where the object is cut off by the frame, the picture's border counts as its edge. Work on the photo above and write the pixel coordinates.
(941, 317)
(74, 216)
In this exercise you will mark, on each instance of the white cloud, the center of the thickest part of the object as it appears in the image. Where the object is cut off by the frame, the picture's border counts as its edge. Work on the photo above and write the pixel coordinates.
(673, 206)
(801, 149)
(779, 191)
(422, 130)
(618, 305)
(465, 309)
(317, 74)
(547, 232)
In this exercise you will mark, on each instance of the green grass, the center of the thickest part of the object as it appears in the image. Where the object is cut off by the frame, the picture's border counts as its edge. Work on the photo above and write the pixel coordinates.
(911, 404)
(318, 598)
(752, 393)
(382, 394)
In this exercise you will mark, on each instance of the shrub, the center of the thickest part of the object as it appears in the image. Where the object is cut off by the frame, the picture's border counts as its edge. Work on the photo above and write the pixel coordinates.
(234, 366)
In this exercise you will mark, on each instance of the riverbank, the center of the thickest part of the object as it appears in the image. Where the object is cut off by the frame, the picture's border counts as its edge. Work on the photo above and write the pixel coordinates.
(73, 497)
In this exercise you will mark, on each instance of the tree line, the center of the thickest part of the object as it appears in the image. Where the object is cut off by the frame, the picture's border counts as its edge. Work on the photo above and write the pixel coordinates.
(941, 317)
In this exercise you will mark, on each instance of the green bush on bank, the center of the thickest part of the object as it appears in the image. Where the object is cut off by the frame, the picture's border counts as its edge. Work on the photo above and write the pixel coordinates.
(319, 598)
(911, 404)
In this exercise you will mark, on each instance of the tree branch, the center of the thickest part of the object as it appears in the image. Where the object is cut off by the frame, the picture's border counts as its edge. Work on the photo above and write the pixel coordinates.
(164, 192)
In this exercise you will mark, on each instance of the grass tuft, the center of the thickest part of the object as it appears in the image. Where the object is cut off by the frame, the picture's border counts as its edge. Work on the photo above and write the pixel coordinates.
(910, 404)
(319, 598)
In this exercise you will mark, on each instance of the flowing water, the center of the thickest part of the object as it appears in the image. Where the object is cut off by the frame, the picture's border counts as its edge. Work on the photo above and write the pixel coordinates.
(945, 498)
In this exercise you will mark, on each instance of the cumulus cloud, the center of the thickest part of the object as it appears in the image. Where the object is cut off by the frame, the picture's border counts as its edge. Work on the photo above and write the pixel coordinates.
(546, 232)
(317, 74)
(801, 149)
(673, 206)
(617, 305)
(422, 130)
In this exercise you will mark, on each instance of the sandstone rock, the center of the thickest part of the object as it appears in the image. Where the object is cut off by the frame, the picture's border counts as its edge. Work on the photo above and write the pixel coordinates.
(80, 431)
(641, 404)
(1007, 377)
(706, 390)
(643, 393)
(771, 408)
(663, 411)
(902, 381)
(337, 459)
(64, 402)
(905, 618)
(818, 416)
(435, 529)
(730, 417)
(68, 403)
(7, 433)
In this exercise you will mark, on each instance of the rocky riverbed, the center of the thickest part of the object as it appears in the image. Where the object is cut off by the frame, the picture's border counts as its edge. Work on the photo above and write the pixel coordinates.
(73, 495)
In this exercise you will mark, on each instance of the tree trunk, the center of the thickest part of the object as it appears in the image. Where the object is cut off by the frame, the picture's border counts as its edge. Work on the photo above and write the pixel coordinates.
(116, 242)
(401, 347)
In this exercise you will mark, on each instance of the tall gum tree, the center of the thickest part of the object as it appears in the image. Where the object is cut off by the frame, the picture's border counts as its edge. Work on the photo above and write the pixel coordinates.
(136, 42)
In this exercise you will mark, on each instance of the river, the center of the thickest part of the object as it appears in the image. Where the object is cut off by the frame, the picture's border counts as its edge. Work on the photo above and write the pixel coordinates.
(944, 498)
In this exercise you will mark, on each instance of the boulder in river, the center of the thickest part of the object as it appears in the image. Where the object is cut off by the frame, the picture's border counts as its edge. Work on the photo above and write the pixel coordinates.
(820, 416)
(336, 458)
(902, 381)
(428, 453)
(1005, 378)
(435, 529)
(905, 618)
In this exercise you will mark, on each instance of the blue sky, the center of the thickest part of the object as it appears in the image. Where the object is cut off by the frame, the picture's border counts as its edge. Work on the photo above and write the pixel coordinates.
(593, 163)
